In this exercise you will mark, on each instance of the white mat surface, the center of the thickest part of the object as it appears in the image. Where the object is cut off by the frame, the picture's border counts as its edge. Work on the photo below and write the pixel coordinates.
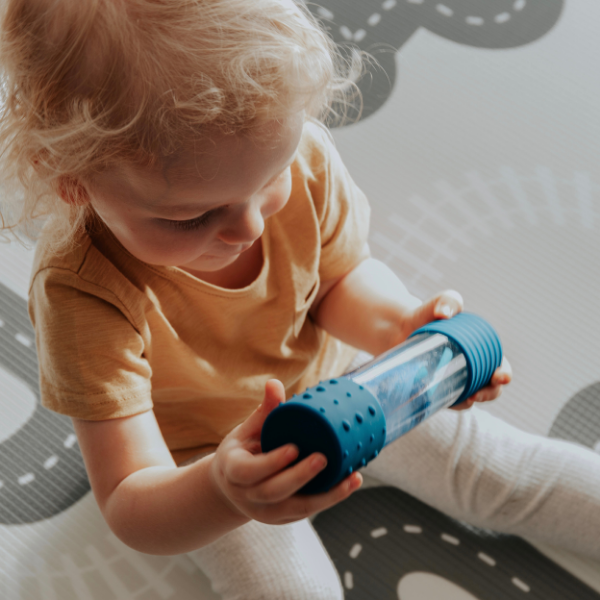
(482, 169)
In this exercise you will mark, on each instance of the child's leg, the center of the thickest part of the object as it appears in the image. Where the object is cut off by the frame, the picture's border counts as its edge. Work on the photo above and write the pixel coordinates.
(267, 562)
(477, 468)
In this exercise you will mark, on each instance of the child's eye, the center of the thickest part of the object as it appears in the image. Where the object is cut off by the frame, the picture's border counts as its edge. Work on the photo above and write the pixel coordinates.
(196, 223)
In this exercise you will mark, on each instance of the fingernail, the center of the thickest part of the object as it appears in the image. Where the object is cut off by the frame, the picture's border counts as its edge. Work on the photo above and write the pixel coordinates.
(318, 462)
(446, 310)
(291, 452)
(354, 484)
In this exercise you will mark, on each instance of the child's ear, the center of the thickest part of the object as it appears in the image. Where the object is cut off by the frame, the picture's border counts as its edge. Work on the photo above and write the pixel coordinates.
(72, 191)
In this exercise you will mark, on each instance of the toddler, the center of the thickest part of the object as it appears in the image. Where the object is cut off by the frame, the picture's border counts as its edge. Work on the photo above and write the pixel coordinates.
(203, 255)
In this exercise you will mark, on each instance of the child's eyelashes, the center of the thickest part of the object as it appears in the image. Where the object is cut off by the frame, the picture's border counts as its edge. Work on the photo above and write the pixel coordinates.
(197, 223)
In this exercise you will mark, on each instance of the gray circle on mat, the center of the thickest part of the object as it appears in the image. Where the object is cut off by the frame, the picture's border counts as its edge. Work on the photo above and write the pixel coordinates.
(579, 419)
(381, 27)
(41, 468)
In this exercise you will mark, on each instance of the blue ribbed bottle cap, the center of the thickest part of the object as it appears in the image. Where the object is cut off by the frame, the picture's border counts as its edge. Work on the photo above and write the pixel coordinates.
(479, 343)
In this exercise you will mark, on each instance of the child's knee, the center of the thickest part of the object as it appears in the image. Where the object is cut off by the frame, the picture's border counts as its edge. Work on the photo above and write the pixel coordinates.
(298, 588)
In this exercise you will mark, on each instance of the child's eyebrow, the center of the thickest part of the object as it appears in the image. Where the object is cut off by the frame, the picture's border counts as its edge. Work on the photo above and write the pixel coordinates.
(172, 210)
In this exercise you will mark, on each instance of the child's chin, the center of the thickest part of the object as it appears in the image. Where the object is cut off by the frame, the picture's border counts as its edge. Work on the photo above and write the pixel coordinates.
(213, 263)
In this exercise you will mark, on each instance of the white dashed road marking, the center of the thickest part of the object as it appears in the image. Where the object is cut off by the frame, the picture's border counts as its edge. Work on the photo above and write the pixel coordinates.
(25, 479)
(70, 440)
(445, 10)
(377, 533)
(417, 529)
(348, 580)
(450, 539)
(488, 560)
(520, 584)
(24, 340)
(51, 461)
(413, 529)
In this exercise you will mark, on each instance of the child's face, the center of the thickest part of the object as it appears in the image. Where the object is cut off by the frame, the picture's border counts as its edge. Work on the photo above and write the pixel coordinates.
(201, 210)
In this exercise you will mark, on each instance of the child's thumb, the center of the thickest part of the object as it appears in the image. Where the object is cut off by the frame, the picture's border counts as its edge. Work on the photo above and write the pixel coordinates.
(274, 396)
(443, 306)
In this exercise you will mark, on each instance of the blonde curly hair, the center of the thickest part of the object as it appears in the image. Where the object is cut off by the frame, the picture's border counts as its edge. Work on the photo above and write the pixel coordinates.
(88, 83)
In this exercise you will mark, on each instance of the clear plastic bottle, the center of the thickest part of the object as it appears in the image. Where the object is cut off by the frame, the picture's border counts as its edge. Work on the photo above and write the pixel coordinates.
(413, 380)
(351, 418)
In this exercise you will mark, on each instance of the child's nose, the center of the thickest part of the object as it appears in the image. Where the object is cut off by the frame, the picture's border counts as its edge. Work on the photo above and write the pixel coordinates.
(248, 227)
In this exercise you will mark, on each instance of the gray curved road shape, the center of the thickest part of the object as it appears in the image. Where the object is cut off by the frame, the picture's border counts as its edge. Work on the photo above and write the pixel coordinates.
(41, 468)
(381, 535)
(381, 27)
(579, 419)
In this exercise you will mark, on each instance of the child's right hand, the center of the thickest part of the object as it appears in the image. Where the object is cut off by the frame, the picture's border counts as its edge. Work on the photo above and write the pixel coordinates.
(258, 485)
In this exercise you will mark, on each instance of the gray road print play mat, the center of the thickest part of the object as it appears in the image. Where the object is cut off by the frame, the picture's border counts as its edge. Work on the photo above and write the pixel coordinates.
(382, 27)
(387, 545)
(480, 159)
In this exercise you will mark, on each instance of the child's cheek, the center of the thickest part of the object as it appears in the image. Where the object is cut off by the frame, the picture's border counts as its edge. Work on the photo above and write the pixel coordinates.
(279, 198)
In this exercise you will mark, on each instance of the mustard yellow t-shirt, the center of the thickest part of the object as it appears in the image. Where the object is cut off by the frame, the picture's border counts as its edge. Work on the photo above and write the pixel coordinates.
(117, 336)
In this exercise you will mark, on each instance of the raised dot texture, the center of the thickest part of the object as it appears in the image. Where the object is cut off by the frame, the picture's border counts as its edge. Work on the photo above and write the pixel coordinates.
(336, 401)
(359, 417)
(372, 410)
(359, 446)
(346, 425)
(349, 394)
(320, 388)
(371, 438)
(322, 409)
(307, 396)
(363, 462)
(349, 471)
(334, 381)
(345, 455)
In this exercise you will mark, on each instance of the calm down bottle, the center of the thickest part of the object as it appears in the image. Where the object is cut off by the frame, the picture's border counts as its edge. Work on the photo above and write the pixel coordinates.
(351, 418)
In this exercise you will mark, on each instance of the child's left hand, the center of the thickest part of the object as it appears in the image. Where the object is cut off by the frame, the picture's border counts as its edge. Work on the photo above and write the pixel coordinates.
(444, 306)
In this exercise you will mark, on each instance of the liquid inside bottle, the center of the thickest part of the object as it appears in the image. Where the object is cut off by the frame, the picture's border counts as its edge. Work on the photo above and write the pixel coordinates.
(426, 373)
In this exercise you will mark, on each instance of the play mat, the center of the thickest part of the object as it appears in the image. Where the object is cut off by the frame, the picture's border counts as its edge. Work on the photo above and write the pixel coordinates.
(479, 148)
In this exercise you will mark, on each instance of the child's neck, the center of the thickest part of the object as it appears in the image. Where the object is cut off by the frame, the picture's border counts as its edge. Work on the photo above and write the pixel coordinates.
(238, 274)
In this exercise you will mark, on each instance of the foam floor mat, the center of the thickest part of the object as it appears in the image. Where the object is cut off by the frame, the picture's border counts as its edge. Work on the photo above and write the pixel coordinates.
(478, 147)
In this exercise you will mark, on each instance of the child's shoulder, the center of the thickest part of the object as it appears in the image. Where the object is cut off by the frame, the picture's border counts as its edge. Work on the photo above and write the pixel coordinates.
(45, 256)
(316, 138)
(315, 150)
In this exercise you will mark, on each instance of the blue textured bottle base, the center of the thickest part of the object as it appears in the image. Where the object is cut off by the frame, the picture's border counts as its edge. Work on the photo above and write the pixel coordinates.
(338, 418)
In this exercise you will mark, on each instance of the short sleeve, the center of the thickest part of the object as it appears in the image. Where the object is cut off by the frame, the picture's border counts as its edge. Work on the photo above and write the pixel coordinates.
(91, 358)
(342, 208)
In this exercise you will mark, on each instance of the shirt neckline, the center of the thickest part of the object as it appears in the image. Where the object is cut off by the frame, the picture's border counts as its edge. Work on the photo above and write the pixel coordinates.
(176, 273)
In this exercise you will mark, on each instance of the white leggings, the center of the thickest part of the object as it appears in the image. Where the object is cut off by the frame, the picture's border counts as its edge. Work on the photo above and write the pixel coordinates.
(469, 465)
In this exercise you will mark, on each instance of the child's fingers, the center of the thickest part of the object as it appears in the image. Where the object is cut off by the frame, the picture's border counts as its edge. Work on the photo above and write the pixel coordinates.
(244, 469)
(442, 306)
(503, 374)
(464, 405)
(486, 394)
(288, 482)
(301, 506)
(274, 396)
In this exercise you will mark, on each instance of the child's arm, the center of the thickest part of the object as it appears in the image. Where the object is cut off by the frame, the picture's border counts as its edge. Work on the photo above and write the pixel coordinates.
(371, 309)
(155, 507)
